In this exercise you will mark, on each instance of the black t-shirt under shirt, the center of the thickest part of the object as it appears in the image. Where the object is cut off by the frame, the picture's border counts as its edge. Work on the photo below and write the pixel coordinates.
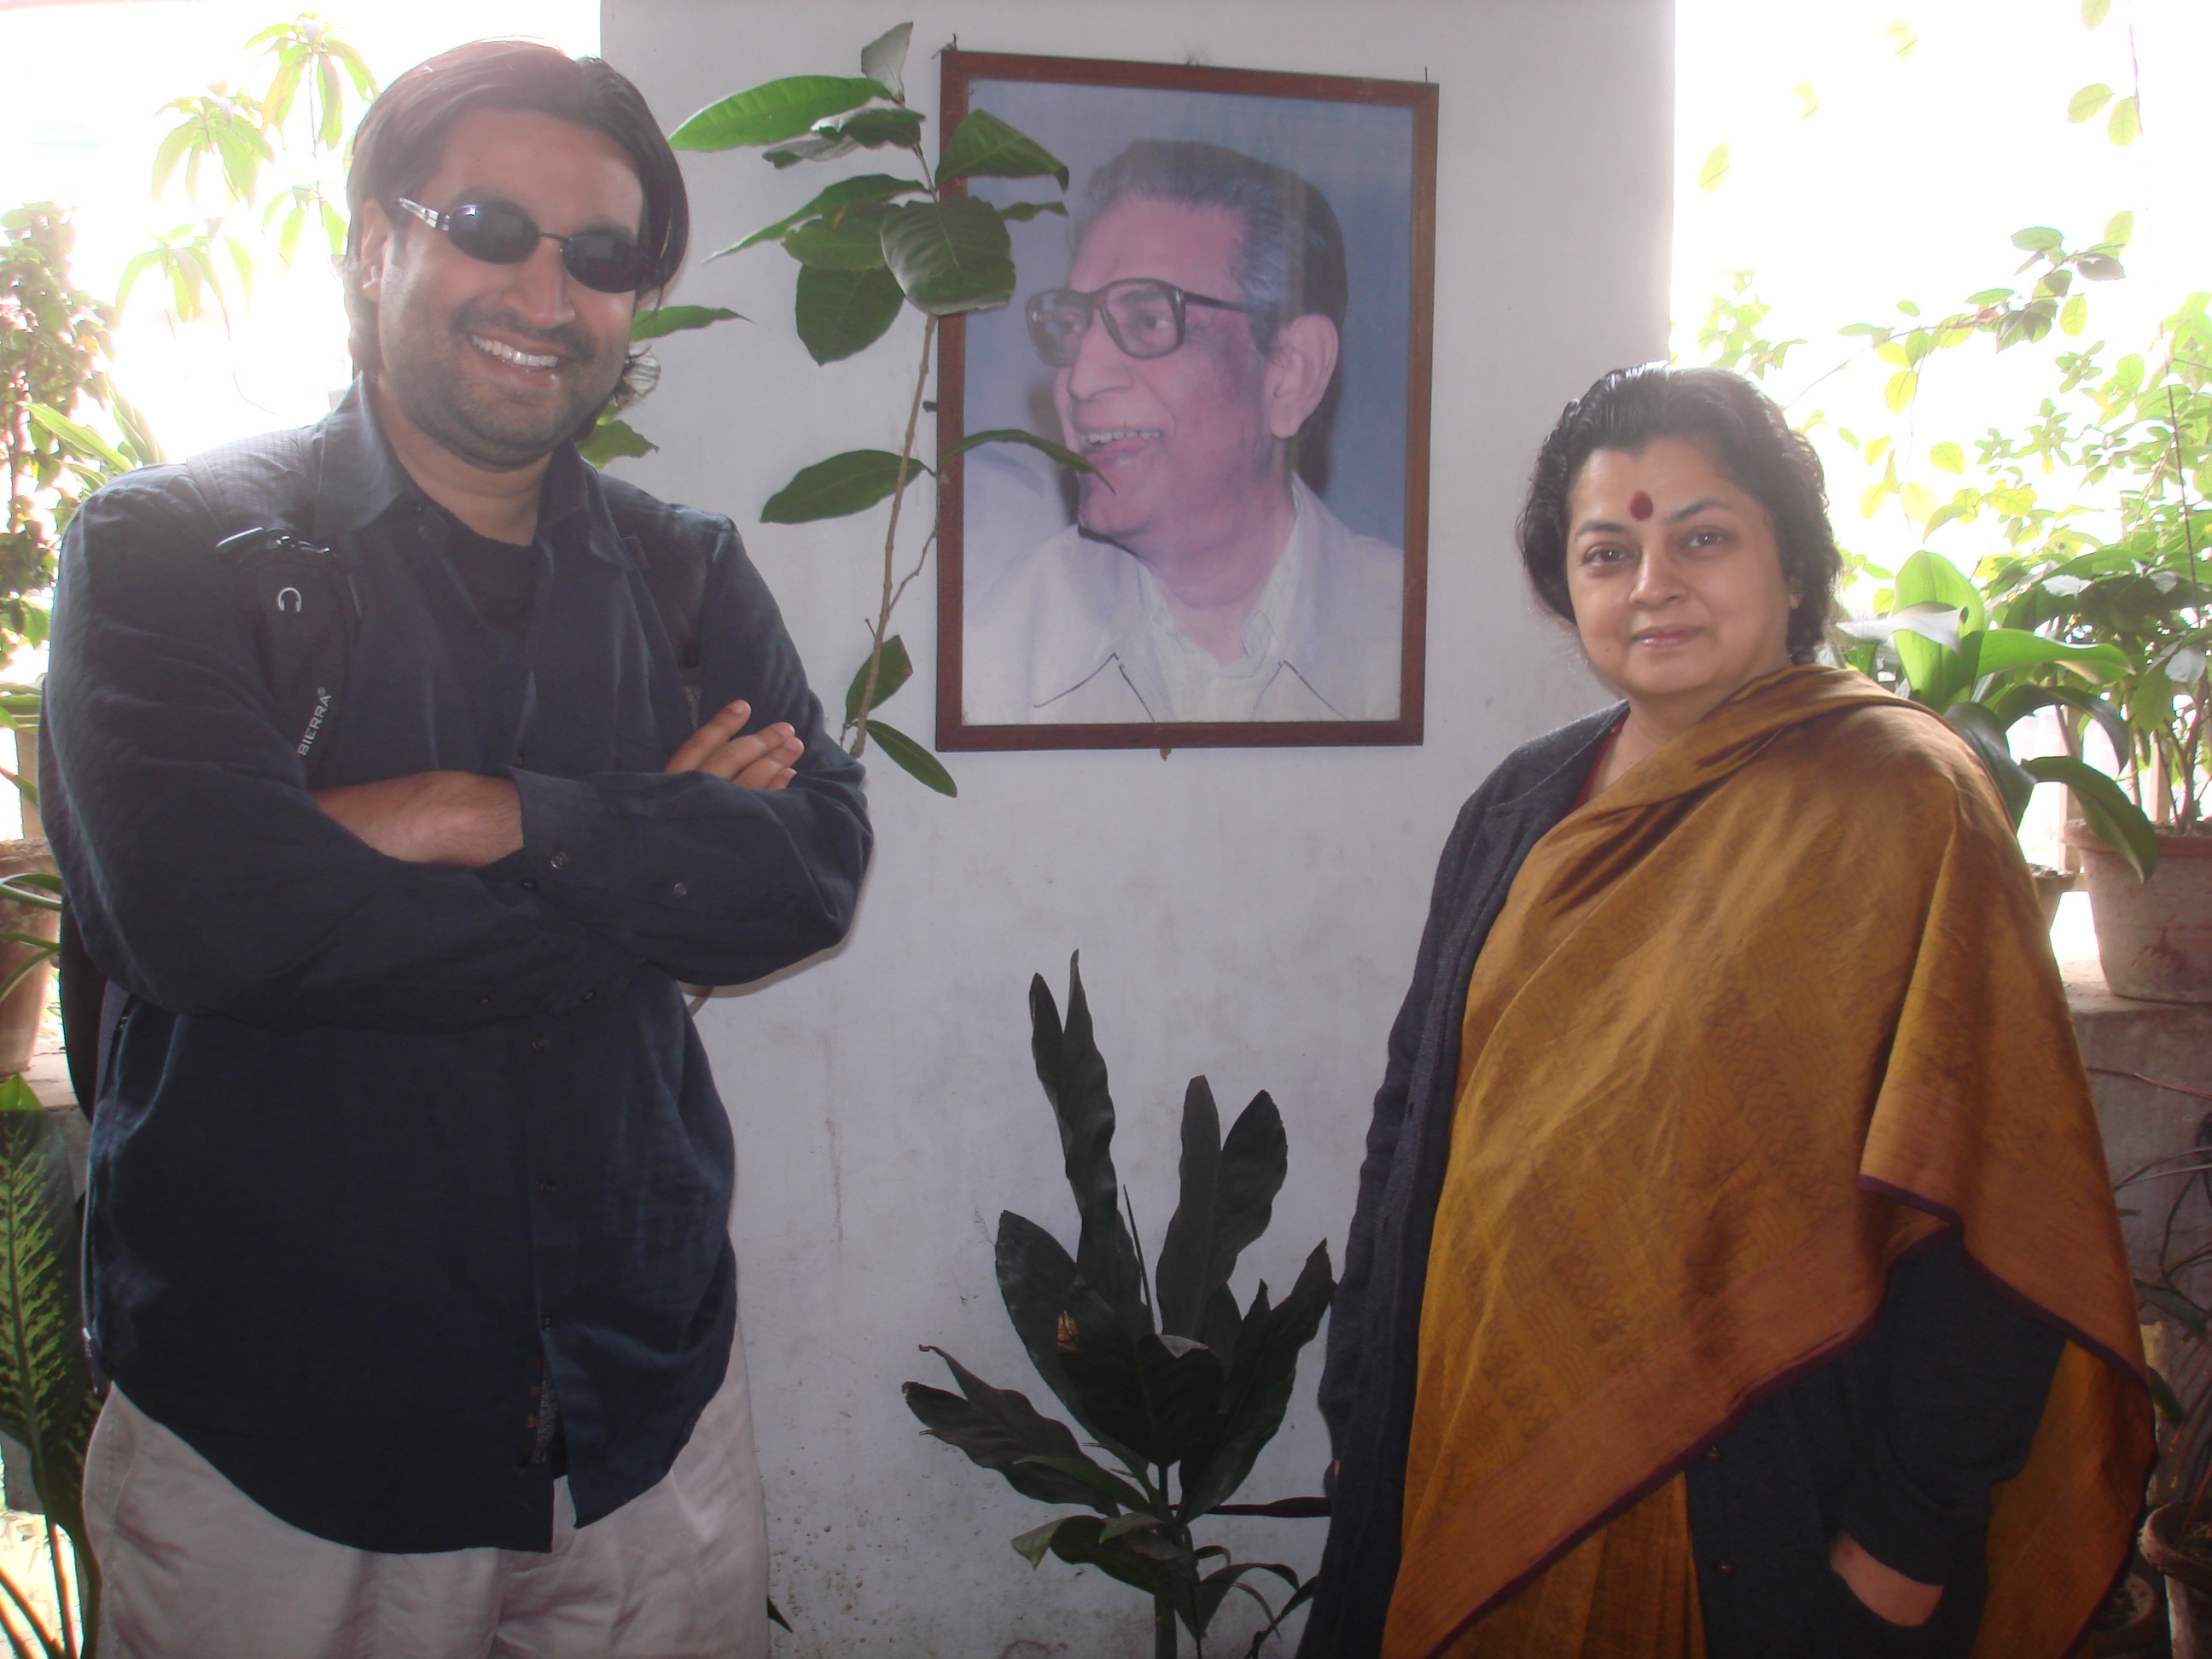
(501, 578)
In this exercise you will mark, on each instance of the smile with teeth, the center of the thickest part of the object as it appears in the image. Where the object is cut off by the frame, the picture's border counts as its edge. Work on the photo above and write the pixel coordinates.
(515, 355)
(1100, 440)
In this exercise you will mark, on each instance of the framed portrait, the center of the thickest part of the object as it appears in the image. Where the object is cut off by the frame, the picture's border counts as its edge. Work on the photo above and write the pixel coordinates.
(1230, 328)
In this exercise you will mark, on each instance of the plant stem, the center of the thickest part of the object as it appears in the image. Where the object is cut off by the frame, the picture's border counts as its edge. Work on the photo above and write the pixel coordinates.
(882, 630)
(1163, 1628)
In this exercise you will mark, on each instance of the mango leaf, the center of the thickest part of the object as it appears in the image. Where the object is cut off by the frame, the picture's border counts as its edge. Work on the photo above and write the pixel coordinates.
(844, 483)
(951, 256)
(1073, 1074)
(867, 187)
(2004, 648)
(884, 59)
(612, 441)
(825, 145)
(1227, 1196)
(1261, 1377)
(2086, 103)
(893, 671)
(849, 241)
(774, 110)
(839, 313)
(2112, 817)
(999, 1430)
(983, 146)
(872, 129)
(677, 319)
(1985, 735)
(1025, 211)
(81, 439)
(911, 757)
(1036, 1281)
(1008, 434)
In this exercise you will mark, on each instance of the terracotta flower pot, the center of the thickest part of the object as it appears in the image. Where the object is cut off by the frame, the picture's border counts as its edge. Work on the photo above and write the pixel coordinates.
(2188, 1583)
(2143, 1631)
(2154, 938)
(21, 1011)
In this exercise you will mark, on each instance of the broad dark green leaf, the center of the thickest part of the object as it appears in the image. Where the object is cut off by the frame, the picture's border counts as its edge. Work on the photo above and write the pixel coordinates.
(983, 146)
(2115, 820)
(1024, 212)
(999, 1430)
(1228, 1194)
(893, 671)
(844, 483)
(1010, 435)
(839, 313)
(771, 113)
(1938, 677)
(825, 146)
(677, 319)
(848, 240)
(1075, 1540)
(1985, 735)
(1073, 1073)
(2016, 702)
(867, 187)
(875, 129)
(2163, 1397)
(2004, 648)
(911, 757)
(1259, 1382)
(1036, 1281)
(612, 440)
(2172, 1302)
(1156, 1402)
(949, 256)
(884, 59)
(1107, 1491)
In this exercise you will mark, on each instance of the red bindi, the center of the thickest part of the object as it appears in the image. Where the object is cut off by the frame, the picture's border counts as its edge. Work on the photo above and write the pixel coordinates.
(1639, 505)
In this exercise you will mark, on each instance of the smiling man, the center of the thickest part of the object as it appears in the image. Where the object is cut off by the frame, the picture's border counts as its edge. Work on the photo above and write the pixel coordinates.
(1203, 581)
(408, 1222)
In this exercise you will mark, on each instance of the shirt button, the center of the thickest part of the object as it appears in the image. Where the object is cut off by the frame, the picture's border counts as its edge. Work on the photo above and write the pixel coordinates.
(1712, 1454)
(680, 890)
(559, 860)
(545, 1323)
(588, 995)
(528, 883)
(550, 1186)
(483, 1002)
(541, 1042)
(1724, 1568)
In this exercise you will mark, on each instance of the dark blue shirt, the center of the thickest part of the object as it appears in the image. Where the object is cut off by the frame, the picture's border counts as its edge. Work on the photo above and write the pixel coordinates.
(376, 1140)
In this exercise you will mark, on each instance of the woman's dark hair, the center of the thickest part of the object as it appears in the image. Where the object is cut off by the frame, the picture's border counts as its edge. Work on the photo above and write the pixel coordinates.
(1749, 443)
(402, 140)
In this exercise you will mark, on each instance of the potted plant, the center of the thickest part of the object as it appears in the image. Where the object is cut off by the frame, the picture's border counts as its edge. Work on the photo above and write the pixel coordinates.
(1936, 644)
(1159, 1366)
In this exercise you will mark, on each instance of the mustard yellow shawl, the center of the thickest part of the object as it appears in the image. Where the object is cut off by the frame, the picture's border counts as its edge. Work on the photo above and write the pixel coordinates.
(1771, 1011)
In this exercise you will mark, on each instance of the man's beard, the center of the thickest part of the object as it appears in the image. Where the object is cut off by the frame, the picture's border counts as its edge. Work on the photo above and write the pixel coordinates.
(427, 378)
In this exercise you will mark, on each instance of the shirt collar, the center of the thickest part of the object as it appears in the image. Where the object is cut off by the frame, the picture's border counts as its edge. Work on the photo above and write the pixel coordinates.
(361, 480)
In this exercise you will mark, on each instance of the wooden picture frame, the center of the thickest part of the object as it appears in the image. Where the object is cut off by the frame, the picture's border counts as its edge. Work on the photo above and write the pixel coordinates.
(1052, 632)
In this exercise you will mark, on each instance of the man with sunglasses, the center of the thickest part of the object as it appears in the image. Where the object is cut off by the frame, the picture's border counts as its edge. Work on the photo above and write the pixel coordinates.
(1196, 341)
(408, 1221)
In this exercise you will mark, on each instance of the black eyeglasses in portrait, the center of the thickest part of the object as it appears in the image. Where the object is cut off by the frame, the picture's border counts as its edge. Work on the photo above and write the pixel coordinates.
(1143, 315)
(501, 233)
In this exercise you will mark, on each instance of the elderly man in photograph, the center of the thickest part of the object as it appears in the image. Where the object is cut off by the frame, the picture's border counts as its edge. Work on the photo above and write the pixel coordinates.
(1203, 579)
(408, 1226)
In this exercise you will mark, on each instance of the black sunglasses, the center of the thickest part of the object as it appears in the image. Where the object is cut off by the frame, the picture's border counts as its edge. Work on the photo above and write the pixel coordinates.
(1143, 315)
(501, 233)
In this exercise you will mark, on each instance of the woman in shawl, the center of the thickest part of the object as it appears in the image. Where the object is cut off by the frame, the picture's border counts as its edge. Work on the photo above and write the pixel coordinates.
(1735, 1268)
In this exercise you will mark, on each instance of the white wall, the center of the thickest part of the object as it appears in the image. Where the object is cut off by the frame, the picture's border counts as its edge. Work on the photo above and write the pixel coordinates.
(1251, 914)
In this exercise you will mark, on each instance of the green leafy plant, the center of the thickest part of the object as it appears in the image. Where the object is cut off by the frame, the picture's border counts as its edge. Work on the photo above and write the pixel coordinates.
(1980, 679)
(47, 1402)
(868, 246)
(225, 143)
(1159, 1366)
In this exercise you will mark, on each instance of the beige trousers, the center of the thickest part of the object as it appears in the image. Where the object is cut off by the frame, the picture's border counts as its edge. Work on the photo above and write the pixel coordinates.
(193, 1569)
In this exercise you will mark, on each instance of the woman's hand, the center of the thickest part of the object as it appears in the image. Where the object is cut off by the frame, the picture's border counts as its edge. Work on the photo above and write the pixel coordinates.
(1888, 1593)
(760, 761)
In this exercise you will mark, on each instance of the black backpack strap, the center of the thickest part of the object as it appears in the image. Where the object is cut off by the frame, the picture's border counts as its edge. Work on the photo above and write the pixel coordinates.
(298, 598)
(671, 552)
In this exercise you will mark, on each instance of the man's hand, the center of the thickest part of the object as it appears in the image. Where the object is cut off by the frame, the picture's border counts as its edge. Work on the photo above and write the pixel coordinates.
(1886, 1591)
(431, 818)
(762, 760)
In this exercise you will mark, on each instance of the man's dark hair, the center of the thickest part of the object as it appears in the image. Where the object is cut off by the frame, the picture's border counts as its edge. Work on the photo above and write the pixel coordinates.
(402, 140)
(1749, 443)
(1290, 260)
